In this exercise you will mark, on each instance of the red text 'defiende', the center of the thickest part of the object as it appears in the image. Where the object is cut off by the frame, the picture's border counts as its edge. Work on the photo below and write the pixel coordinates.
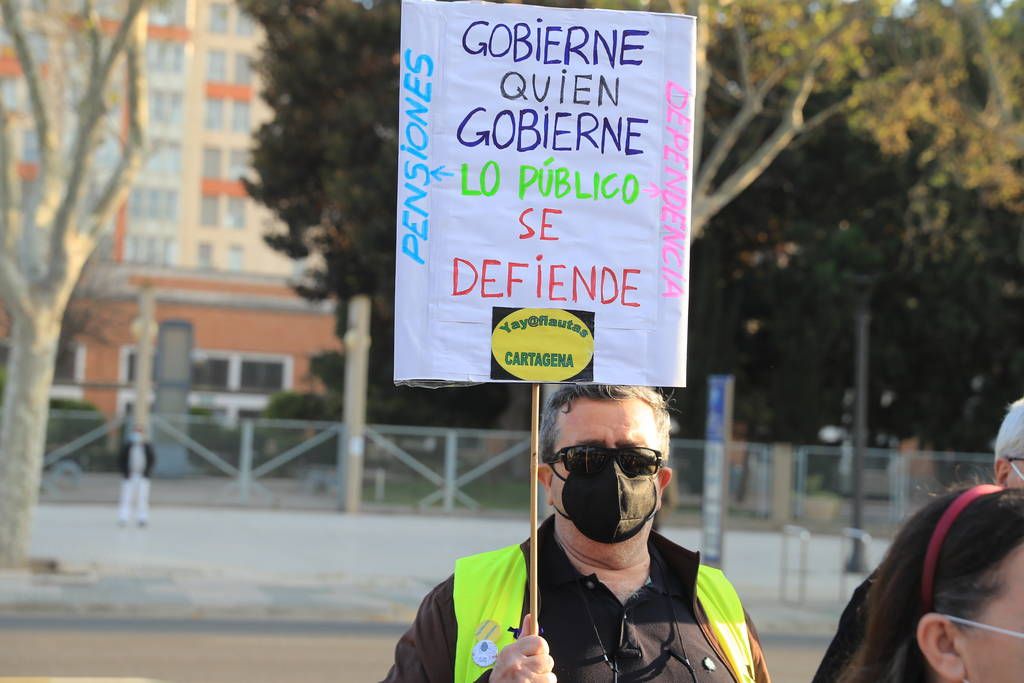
(547, 282)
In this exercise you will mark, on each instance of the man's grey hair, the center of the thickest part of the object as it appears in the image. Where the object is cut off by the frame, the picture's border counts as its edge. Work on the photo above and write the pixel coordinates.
(562, 399)
(1010, 441)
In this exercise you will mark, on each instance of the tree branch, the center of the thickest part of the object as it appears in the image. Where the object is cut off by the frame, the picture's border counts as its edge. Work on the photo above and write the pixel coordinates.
(44, 130)
(739, 33)
(92, 27)
(752, 104)
(791, 125)
(998, 111)
(120, 180)
(811, 53)
(13, 285)
(698, 8)
(725, 144)
(824, 115)
(91, 111)
(9, 228)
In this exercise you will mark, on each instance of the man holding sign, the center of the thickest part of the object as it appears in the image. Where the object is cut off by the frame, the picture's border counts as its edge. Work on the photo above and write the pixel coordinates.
(617, 601)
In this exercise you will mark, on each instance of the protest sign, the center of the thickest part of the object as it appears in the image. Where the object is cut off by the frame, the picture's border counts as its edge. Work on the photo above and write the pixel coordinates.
(543, 194)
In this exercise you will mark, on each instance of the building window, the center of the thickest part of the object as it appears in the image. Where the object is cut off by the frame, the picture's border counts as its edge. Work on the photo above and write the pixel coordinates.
(210, 373)
(240, 117)
(214, 114)
(165, 57)
(236, 213)
(219, 17)
(170, 255)
(29, 198)
(243, 69)
(167, 13)
(262, 375)
(165, 107)
(30, 147)
(39, 46)
(244, 26)
(216, 66)
(9, 93)
(166, 157)
(211, 162)
(210, 211)
(129, 366)
(152, 253)
(204, 257)
(152, 203)
(64, 370)
(235, 255)
(238, 163)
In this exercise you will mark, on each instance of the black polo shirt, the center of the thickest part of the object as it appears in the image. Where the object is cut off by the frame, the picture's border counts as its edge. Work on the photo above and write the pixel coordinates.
(583, 622)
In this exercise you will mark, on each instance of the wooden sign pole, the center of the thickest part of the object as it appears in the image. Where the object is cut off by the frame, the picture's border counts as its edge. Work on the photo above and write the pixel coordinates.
(534, 464)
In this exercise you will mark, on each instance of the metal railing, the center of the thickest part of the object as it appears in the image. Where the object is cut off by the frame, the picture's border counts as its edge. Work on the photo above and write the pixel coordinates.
(292, 463)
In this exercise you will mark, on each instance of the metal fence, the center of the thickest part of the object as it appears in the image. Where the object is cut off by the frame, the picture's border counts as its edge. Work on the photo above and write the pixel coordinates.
(295, 464)
(895, 483)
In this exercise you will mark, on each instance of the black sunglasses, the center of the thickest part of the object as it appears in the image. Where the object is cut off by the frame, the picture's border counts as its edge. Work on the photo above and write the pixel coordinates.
(634, 461)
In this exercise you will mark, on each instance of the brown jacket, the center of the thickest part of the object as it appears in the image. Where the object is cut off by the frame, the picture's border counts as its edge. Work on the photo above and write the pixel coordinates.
(426, 652)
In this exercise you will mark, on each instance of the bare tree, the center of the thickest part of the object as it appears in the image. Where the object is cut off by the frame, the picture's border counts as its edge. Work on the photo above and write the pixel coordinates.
(42, 255)
(760, 63)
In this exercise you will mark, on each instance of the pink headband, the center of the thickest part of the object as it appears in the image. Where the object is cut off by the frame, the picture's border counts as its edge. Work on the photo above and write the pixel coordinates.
(931, 558)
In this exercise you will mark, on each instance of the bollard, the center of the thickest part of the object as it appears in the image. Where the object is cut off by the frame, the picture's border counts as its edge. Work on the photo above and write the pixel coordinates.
(804, 537)
(865, 540)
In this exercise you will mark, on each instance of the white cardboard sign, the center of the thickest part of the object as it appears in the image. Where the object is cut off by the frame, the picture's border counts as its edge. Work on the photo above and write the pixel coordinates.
(543, 194)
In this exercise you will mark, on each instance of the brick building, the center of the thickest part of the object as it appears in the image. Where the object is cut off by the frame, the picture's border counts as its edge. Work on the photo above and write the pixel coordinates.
(251, 337)
(188, 226)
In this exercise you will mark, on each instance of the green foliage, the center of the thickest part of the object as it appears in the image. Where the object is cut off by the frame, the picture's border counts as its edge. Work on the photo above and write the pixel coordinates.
(293, 405)
(951, 95)
(326, 166)
(773, 301)
(889, 187)
(72, 404)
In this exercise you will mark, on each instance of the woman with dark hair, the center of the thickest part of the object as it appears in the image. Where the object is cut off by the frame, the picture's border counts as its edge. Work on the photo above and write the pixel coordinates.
(948, 602)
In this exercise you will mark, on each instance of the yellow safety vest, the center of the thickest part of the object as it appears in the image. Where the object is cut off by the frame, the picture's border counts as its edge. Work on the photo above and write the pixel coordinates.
(490, 588)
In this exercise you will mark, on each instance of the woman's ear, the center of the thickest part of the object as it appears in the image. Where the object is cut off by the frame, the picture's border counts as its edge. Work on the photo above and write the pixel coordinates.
(942, 645)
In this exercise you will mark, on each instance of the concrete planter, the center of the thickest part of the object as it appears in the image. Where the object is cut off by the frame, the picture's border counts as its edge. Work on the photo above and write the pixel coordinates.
(822, 508)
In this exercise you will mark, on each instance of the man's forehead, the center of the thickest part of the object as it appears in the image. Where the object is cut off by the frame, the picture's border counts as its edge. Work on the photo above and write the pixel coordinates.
(607, 414)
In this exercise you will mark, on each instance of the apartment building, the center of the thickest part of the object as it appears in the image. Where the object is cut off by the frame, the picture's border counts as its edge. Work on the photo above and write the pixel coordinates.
(188, 228)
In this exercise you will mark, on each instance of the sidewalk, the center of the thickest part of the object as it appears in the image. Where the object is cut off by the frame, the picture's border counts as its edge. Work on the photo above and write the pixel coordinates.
(196, 563)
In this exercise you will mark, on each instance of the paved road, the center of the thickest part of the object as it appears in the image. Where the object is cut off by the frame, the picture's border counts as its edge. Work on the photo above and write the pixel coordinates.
(253, 651)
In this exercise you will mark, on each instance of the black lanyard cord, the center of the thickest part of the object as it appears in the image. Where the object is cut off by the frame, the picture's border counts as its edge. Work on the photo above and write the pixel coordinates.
(684, 660)
(676, 635)
(593, 624)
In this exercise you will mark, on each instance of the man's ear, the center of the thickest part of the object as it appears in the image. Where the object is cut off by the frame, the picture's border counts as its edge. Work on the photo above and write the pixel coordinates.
(544, 475)
(664, 477)
(942, 645)
(1003, 471)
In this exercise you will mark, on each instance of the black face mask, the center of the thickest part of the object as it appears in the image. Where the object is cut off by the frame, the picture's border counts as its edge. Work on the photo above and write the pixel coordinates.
(608, 506)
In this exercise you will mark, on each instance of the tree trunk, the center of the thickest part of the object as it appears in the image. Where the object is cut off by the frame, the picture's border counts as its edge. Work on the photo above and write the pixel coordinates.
(23, 437)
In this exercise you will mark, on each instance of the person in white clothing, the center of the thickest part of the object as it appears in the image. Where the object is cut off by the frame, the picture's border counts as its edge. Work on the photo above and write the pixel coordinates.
(136, 463)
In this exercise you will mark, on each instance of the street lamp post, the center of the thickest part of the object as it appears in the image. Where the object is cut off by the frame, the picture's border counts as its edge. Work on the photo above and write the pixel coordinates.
(862, 320)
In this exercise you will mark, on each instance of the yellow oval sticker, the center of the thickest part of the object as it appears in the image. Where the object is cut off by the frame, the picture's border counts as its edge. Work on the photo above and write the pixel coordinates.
(542, 344)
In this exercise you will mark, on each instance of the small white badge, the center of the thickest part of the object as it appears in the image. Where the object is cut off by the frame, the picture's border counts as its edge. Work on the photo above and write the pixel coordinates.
(485, 653)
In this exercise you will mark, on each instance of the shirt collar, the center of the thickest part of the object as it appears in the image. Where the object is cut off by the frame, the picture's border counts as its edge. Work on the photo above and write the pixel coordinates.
(556, 570)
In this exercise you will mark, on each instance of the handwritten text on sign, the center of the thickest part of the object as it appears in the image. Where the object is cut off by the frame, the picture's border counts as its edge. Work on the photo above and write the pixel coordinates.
(545, 163)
